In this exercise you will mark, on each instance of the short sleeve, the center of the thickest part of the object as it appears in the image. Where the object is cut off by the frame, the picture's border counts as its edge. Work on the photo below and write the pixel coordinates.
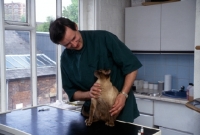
(122, 55)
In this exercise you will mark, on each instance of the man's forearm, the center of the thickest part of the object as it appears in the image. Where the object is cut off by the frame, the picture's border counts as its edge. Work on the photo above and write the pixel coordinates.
(81, 96)
(129, 79)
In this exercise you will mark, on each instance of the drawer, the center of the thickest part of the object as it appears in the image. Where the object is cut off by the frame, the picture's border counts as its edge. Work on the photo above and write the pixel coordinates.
(145, 106)
(145, 120)
(166, 131)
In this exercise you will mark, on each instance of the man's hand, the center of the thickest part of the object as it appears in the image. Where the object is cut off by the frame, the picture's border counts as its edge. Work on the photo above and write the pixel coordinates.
(118, 105)
(95, 90)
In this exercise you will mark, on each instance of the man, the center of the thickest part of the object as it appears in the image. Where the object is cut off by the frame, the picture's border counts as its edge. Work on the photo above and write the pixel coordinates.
(88, 51)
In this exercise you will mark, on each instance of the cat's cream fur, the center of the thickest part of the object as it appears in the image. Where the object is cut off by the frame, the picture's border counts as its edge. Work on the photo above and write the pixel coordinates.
(99, 108)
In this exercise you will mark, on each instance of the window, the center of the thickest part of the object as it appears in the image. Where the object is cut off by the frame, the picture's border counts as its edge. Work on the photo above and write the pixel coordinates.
(16, 6)
(70, 9)
(30, 59)
(18, 71)
(16, 11)
(13, 13)
(48, 93)
(9, 12)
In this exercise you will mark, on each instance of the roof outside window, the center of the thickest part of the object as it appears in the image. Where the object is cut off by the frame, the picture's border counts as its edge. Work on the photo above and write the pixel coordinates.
(23, 61)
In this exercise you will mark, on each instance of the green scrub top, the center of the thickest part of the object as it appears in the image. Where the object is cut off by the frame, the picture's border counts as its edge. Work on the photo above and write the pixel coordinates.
(101, 50)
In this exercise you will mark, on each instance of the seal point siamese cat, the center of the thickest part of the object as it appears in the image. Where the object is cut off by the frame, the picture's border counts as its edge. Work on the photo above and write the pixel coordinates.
(99, 108)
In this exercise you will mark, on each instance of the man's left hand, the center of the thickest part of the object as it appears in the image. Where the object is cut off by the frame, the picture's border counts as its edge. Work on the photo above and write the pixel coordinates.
(118, 105)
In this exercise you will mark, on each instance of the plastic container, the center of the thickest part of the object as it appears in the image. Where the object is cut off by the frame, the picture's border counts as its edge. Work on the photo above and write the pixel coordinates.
(150, 86)
(141, 82)
(160, 86)
(136, 84)
(145, 85)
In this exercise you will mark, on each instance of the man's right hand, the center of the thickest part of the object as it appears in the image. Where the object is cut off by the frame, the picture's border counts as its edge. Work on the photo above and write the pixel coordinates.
(95, 90)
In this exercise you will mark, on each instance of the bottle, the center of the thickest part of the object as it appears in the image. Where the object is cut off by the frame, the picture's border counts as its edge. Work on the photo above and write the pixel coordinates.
(142, 131)
(191, 93)
(139, 133)
(187, 90)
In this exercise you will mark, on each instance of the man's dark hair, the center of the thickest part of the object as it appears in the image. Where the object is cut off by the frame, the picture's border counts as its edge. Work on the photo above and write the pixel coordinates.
(57, 28)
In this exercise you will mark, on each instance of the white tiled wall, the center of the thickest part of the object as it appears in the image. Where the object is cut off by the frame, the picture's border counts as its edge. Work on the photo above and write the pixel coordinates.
(156, 66)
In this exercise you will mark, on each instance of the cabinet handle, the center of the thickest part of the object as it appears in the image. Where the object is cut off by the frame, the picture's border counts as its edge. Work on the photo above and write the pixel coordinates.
(197, 47)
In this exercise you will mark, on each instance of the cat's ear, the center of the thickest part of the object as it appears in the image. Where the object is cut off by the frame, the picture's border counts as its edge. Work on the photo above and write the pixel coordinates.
(107, 72)
(96, 73)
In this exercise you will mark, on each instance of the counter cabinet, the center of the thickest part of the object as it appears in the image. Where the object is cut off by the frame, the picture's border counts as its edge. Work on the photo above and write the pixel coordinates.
(145, 107)
(172, 118)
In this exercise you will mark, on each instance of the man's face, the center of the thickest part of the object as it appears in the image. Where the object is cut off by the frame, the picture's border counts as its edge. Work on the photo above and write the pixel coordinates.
(72, 39)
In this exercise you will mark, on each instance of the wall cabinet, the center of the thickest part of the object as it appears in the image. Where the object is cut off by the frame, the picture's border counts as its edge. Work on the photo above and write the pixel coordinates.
(142, 28)
(163, 27)
(178, 26)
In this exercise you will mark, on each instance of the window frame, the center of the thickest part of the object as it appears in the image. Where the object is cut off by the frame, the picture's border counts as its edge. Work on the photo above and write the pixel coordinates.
(30, 26)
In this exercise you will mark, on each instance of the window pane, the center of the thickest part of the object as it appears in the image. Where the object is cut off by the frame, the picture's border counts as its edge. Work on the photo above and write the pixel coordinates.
(9, 65)
(46, 69)
(45, 14)
(15, 10)
(70, 9)
(15, 63)
(46, 52)
(18, 75)
(25, 58)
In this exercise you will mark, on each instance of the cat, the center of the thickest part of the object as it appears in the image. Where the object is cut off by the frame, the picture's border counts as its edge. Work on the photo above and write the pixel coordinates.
(99, 108)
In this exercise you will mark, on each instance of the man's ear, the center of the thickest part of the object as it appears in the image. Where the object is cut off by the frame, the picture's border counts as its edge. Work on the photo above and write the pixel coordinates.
(76, 27)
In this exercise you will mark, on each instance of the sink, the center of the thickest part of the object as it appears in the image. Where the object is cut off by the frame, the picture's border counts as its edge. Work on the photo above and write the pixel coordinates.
(175, 94)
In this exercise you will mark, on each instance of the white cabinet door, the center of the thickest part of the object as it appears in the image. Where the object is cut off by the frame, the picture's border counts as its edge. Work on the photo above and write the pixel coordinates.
(145, 106)
(166, 131)
(142, 28)
(176, 116)
(178, 26)
(145, 120)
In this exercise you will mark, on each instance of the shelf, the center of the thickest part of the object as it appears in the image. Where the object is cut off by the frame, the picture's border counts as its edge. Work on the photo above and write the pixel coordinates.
(154, 3)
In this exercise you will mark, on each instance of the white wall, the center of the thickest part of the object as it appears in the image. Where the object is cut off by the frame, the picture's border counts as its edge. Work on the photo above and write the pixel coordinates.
(87, 15)
(110, 14)
(197, 53)
(104, 15)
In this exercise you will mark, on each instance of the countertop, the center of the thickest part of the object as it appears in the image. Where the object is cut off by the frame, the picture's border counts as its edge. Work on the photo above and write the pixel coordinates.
(56, 121)
(160, 98)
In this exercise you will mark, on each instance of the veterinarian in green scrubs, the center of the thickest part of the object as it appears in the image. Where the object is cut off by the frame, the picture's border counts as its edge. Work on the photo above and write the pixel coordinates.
(88, 51)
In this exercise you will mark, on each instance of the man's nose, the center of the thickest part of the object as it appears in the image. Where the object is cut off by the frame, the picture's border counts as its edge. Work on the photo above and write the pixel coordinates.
(74, 43)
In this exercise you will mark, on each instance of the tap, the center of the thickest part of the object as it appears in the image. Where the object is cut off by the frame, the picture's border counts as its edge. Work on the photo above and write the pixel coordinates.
(182, 89)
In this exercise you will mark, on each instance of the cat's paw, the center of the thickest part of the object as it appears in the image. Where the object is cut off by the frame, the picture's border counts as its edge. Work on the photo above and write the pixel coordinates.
(87, 122)
(111, 124)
